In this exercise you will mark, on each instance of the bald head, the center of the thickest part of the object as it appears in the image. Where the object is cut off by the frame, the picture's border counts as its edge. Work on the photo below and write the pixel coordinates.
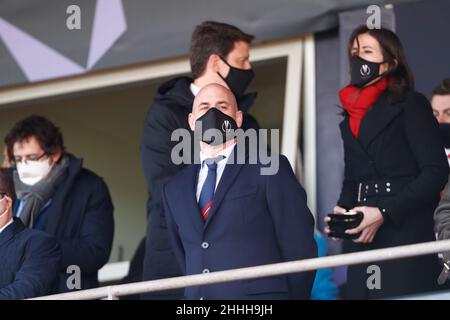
(215, 96)
(214, 93)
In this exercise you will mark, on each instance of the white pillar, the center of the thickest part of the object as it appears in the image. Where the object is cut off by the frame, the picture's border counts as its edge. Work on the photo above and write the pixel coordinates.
(310, 124)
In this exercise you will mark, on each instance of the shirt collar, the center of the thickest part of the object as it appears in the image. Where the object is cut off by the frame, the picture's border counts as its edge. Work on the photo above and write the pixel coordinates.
(225, 152)
(194, 88)
(6, 225)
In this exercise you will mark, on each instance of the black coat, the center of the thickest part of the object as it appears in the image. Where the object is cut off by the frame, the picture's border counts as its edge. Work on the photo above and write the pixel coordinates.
(172, 104)
(29, 262)
(400, 159)
(81, 219)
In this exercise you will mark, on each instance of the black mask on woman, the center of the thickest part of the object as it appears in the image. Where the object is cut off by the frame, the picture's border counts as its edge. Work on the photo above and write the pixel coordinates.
(363, 71)
(444, 128)
(216, 119)
(237, 79)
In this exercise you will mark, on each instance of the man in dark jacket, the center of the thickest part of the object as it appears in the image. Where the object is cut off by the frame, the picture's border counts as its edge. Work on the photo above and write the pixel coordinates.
(219, 54)
(58, 196)
(29, 259)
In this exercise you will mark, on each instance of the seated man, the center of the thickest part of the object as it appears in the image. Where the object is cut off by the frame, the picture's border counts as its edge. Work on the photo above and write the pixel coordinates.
(57, 195)
(29, 259)
(224, 215)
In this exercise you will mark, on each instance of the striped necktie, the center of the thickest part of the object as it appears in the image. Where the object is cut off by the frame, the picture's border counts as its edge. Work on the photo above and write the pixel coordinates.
(206, 195)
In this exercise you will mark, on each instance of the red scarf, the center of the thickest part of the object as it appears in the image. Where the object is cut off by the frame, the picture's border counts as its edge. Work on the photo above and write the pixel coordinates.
(357, 101)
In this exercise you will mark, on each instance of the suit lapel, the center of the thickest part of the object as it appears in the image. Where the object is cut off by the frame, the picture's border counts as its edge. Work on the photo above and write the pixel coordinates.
(191, 199)
(376, 119)
(229, 174)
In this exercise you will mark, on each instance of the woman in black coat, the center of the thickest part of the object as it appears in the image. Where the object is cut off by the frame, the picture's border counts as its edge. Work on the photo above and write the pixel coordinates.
(395, 166)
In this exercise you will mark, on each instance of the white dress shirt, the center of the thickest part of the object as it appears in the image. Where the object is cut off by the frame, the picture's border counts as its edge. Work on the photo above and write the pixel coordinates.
(194, 89)
(6, 225)
(220, 167)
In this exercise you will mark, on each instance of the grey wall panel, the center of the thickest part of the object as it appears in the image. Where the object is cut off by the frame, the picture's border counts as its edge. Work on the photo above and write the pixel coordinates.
(162, 29)
(424, 29)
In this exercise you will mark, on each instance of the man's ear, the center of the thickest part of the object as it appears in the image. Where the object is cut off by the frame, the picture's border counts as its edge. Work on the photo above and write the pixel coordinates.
(57, 156)
(9, 201)
(191, 121)
(239, 118)
(214, 63)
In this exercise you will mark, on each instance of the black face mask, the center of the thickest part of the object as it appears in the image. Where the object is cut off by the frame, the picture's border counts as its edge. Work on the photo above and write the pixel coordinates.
(216, 119)
(363, 71)
(237, 79)
(444, 128)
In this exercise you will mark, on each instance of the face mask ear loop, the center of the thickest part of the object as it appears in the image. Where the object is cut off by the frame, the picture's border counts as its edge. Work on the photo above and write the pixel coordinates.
(387, 72)
(225, 61)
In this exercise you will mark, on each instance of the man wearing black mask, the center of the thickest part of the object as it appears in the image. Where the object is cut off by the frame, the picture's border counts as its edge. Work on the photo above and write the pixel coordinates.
(230, 215)
(440, 102)
(219, 54)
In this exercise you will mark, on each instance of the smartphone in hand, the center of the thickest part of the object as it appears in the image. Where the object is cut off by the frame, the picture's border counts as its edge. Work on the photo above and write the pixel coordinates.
(340, 222)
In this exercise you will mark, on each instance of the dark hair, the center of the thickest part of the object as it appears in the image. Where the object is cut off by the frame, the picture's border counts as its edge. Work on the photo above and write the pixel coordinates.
(392, 50)
(46, 133)
(443, 88)
(7, 184)
(212, 37)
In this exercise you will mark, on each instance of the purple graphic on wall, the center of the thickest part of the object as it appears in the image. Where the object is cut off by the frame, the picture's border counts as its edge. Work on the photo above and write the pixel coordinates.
(39, 61)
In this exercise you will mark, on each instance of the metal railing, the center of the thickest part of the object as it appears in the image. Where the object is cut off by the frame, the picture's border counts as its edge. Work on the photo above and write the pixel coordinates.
(112, 292)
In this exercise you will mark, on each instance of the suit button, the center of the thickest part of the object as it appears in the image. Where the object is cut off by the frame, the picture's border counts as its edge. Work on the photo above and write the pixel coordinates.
(205, 245)
(205, 271)
(388, 189)
(388, 184)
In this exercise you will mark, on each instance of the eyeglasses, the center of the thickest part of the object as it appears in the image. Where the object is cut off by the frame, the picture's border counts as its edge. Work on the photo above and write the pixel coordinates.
(27, 159)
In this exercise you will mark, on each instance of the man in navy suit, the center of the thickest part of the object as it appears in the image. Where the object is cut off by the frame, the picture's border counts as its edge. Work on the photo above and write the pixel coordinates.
(223, 214)
(29, 259)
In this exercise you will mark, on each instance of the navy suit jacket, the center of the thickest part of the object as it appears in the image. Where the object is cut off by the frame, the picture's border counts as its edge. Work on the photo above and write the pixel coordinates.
(29, 262)
(255, 219)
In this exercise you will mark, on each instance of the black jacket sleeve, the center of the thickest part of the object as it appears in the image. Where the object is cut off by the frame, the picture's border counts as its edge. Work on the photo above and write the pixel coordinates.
(156, 148)
(294, 225)
(348, 191)
(422, 135)
(39, 271)
(349, 186)
(92, 249)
